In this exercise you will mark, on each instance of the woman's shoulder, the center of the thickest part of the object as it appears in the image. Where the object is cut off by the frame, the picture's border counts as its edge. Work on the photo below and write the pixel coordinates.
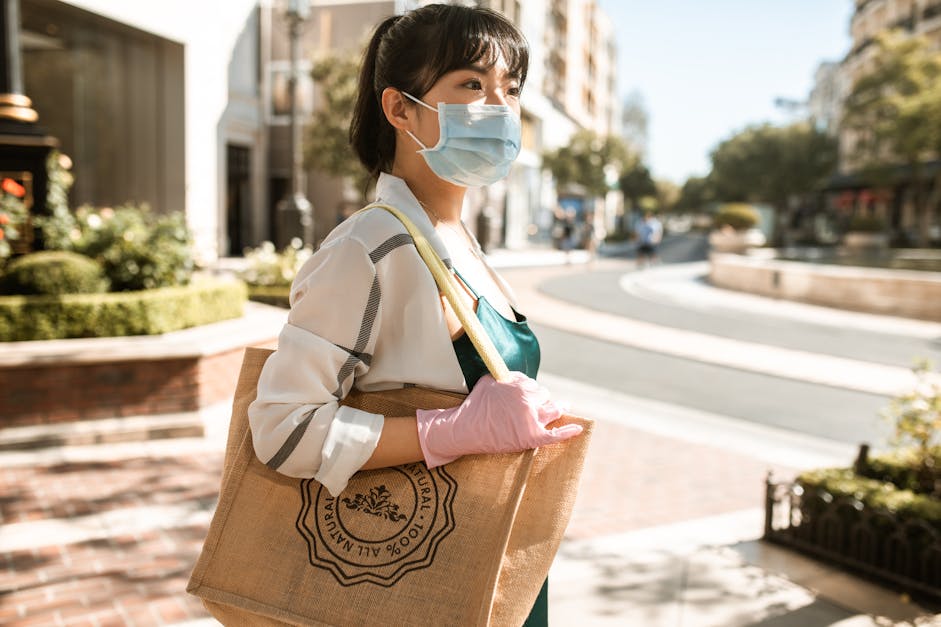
(372, 227)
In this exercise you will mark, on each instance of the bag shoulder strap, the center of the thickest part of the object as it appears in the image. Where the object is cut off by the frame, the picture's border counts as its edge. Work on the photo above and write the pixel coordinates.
(446, 283)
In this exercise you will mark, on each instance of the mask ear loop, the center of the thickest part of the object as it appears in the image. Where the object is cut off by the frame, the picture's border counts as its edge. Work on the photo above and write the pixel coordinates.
(427, 106)
(422, 103)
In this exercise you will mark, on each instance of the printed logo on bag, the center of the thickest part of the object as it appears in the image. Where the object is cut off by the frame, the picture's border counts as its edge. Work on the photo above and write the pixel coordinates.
(385, 524)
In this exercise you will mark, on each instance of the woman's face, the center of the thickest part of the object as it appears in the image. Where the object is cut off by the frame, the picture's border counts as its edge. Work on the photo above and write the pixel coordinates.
(471, 85)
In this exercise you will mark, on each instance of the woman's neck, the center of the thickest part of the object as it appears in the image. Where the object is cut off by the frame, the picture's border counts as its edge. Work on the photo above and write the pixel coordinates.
(442, 201)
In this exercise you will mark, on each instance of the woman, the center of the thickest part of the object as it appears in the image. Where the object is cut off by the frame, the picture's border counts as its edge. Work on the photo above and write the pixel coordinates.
(438, 111)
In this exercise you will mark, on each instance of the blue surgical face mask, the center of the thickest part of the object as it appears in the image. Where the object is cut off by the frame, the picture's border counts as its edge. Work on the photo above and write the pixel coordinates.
(477, 145)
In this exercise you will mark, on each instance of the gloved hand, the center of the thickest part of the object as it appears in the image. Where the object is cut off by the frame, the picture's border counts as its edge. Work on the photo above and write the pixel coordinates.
(496, 417)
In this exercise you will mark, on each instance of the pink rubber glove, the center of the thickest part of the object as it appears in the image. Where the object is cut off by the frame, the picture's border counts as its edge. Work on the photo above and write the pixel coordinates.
(496, 417)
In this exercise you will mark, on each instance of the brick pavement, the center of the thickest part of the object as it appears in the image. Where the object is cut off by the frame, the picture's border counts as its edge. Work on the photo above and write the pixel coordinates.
(632, 480)
(121, 579)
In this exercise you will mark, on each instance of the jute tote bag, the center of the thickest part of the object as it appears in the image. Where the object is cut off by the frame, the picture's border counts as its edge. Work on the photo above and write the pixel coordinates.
(469, 543)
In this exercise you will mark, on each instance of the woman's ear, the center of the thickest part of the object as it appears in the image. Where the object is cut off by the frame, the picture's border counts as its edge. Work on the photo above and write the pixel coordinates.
(395, 108)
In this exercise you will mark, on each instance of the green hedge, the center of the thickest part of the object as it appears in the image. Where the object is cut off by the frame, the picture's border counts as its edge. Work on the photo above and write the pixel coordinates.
(277, 295)
(147, 312)
(875, 494)
(739, 216)
(899, 467)
(53, 272)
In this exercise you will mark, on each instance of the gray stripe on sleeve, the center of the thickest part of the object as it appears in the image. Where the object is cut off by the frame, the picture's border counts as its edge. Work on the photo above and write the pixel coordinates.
(355, 355)
(291, 443)
(365, 330)
(366, 358)
(383, 249)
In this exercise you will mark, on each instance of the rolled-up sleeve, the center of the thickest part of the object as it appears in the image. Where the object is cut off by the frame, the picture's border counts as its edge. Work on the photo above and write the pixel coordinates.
(298, 427)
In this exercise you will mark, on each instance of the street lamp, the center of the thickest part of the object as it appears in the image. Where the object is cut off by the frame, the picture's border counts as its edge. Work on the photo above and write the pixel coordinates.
(295, 213)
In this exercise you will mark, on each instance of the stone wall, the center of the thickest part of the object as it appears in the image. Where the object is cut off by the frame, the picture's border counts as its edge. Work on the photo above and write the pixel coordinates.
(86, 379)
(906, 293)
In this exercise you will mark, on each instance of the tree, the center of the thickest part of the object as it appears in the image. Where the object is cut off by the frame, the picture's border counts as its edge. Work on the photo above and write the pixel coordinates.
(635, 122)
(636, 183)
(695, 194)
(894, 114)
(585, 160)
(772, 164)
(668, 194)
(328, 136)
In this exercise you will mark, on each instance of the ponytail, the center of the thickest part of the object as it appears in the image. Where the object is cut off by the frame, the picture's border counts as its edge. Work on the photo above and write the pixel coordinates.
(371, 135)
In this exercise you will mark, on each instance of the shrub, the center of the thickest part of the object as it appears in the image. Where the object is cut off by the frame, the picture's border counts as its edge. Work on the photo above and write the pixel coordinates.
(147, 312)
(137, 248)
(53, 272)
(874, 494)
(900, 467)
(277, 295)
(738, 216)
(866, 224)
(265, 266)
(13, 214)
(916, 421)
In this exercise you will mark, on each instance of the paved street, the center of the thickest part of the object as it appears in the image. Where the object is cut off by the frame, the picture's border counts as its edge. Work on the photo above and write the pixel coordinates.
(666, 524)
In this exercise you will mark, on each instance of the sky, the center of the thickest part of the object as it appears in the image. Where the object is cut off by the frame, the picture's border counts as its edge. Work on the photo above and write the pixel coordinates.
(708, 68)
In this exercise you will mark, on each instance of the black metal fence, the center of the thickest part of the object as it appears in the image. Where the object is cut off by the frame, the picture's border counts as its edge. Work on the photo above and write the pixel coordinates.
(844, 531)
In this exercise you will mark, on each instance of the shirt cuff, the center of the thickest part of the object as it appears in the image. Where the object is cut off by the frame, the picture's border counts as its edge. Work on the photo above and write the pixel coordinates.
(351, 440)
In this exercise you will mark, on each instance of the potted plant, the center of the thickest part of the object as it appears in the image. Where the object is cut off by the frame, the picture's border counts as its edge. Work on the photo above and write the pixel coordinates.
(734, 229)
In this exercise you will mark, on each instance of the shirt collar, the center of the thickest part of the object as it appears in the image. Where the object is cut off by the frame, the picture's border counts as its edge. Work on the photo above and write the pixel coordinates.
(394, 191)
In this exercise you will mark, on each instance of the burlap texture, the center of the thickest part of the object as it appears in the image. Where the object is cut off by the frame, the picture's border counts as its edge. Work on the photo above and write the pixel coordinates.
(466, 544)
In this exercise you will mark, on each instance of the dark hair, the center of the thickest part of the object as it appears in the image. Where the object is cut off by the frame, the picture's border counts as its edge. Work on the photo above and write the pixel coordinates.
(412, 51)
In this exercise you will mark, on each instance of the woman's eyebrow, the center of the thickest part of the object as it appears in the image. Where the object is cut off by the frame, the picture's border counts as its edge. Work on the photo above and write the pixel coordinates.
(474, 67)
(483, 70)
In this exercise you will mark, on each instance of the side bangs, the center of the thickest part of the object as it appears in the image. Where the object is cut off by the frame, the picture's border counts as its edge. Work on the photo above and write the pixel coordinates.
(480, 38)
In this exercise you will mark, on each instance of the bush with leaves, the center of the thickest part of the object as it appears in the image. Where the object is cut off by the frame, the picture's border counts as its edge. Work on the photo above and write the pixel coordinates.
(13, 214)
(53, 272)
(137, 248)
(57, 228)
(266, 267)
(916, 420)
(738, 216)
(146, 312)
(874, 494)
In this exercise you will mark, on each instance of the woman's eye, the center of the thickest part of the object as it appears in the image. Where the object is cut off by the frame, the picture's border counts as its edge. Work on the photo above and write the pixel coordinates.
(513, 91)
(473, 84)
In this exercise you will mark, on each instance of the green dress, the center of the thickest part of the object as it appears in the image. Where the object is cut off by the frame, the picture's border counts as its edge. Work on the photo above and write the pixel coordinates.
(519, 348)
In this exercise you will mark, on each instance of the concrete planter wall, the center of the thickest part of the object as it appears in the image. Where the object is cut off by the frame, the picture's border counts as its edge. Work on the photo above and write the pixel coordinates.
(54, 381)
(858, 240)
(729, 241)
(907, 293)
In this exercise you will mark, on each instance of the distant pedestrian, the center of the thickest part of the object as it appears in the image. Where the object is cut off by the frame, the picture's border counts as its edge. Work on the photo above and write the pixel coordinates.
(649, 234)
(590, 237)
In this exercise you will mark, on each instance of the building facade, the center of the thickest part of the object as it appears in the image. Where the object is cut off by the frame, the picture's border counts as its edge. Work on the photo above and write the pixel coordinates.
(155, 109)
(851, 192)
(825, 103)
(161, 110)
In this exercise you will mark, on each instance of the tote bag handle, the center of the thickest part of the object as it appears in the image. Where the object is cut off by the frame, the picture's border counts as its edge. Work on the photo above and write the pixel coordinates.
(475, 331)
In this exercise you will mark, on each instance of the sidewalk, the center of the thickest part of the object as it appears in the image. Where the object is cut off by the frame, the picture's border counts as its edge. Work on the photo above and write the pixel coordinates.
(665, 530)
